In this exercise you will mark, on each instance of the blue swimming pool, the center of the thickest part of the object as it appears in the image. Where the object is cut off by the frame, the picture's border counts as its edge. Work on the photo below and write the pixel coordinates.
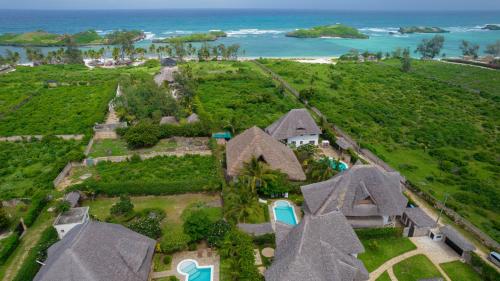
(194, 272)
(284, 212)
(342, 165)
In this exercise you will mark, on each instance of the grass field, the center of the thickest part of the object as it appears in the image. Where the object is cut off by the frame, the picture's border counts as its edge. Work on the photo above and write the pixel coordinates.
(437, 132)
(384, 277)
(459, 271)
(28, 166)
(415, 268)
(238, 95)
(71, 105)
(378, 251)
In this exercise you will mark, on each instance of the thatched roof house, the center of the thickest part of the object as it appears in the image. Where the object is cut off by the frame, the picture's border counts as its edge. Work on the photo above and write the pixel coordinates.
(99, 251)
(169, 120)
(297, 122)
(256, 143)
(320, 248)
(193, 118)
(365, 194)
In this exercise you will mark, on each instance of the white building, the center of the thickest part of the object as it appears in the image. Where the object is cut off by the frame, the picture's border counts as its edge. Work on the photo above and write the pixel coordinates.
(296, 128)
(69, 219)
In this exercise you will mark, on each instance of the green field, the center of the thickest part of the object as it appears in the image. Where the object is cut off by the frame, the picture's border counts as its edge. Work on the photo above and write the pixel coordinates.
(415, 268)
(28, 166)
(71, 103)
(459, 271)
(238, 95)
(378, 251)
(439, 134)
(384, 277)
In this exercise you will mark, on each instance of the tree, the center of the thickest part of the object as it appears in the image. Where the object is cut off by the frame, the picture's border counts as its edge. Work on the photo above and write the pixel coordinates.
(240, 203)
(180, 50)
(469, 49)
(143, 134)
(493, 49)
(204, 52)
(257, 174)
(122, 207)
(306, 94)
(430, 48)
(197, 225)
(319, 170)
(406, 60)
(4, 220)
(72, 55)
(147, 226)
(11, 57)
(62, 206)
(217, 232)
(126, 40)
(116, 54)
(237, 250)
(34, 55)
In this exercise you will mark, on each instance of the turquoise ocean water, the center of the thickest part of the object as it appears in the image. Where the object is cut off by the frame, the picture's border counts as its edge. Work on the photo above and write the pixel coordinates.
(262, 32)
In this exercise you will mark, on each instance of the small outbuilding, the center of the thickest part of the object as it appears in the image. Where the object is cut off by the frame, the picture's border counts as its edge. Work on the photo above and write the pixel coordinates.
(457, 242)
(416, 222)
(73, 198)
(70, 219)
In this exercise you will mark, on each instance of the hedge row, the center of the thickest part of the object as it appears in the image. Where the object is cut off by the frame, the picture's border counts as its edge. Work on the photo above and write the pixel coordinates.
(377, 233)
(487, 272)
(38, 202)
(197, 129)
(7, 246)
(151, 188)
(30, 266)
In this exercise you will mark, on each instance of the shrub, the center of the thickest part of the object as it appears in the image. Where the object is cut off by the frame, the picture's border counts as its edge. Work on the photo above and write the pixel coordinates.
(4, 220)
(30, 266)
(173, 278)
(38, 202)
(151, 63)
(217, 232)
(487, 272)
(122, 207)
(7, 246)
(62, 206)
(167, 259)
(265, 240)
(149, 227)
(144, 134)
(197, 225)
(173, 241)
(376, 233)
(238, 246)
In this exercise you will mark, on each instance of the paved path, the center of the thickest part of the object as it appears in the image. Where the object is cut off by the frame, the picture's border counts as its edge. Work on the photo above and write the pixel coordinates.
(391, 274)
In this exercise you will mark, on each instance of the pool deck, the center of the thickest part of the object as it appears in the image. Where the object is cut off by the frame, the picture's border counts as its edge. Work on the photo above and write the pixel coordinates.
(298, 211)
(214, 260)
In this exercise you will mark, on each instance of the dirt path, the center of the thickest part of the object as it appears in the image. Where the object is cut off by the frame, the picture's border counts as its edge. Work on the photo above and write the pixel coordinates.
(28, 241)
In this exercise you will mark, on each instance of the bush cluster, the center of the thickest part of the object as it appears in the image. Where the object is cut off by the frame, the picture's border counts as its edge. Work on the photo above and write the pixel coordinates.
(8, 246)
(38, 202)
(487, 272)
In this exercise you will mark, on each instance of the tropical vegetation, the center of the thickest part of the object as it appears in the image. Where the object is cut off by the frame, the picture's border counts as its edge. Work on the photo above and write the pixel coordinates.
(337, 30)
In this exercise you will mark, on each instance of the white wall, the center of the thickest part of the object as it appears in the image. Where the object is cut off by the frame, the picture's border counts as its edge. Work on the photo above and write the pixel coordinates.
(305, 139)
(63, 229)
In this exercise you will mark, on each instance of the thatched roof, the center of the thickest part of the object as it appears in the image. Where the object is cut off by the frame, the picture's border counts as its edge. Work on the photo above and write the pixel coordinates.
(256, 143)
(419, 217)
(193, 118)
(343, 143)
(169, 120)
(457, 238)
(320, 248)
(296, 122)
(348, 189)
(99, 251)
(73, 198)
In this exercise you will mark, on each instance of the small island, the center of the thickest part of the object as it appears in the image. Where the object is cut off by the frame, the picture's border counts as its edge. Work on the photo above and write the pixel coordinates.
(195, 37)
(491, 27)
(334, 31)
(41, 38)
(421, 29)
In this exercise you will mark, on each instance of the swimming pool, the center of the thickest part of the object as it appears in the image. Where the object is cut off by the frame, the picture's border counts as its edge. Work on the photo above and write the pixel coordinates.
(342, 165)
(194, 272)
(284, 212)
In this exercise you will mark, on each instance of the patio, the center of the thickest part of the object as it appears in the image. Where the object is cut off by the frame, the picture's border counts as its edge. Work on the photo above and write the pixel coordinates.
(204, 257)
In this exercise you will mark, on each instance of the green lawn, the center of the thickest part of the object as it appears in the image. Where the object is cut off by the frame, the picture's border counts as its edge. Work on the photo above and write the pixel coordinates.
(427, 124)
(238, 95)
(459, 271)
(118, 147)
(378, 251)
(415, 268)
(384, 277)
(159, 265)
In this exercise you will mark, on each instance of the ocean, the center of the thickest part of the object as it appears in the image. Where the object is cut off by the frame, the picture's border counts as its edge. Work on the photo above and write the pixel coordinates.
(261, 33)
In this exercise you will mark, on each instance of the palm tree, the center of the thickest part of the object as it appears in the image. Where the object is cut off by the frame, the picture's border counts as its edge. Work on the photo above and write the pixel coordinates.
(257, 174)
(12, 57)
(241, 203)
(320, 170)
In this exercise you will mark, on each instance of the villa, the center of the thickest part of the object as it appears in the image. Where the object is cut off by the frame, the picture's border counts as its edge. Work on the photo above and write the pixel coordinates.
(99, 251)
(320, 248)
(366, 195)
(256, 143)
(296, 128)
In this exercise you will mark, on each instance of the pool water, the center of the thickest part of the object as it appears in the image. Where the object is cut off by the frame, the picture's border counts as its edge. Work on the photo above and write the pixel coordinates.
(284, 212)
(342, 165)
(194, 272)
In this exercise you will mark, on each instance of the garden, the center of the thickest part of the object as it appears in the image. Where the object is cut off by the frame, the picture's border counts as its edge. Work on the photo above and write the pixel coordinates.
(29, 166)
(238, 95)
(439, 132)
(416, 268)
(160, 175)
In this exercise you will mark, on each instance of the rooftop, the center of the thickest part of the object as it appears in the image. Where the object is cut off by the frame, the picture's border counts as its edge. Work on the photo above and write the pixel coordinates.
(73, 215)
(295, 123)
(419, 217)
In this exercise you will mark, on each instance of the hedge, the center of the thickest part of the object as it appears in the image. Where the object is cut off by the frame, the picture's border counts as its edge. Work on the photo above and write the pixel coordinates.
(197, 129)
(377, 233)
(30, 266)
(38, 202)
(150, 188)
(7, 246)
(487, 272)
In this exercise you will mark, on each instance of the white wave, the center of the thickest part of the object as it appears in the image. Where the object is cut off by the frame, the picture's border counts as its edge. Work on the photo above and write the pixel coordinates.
(379, 29)
(214, 30)
(178, 32)
(149, 35)
(457, 29)
(251, 31)
(400, 35)
(330, 37)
